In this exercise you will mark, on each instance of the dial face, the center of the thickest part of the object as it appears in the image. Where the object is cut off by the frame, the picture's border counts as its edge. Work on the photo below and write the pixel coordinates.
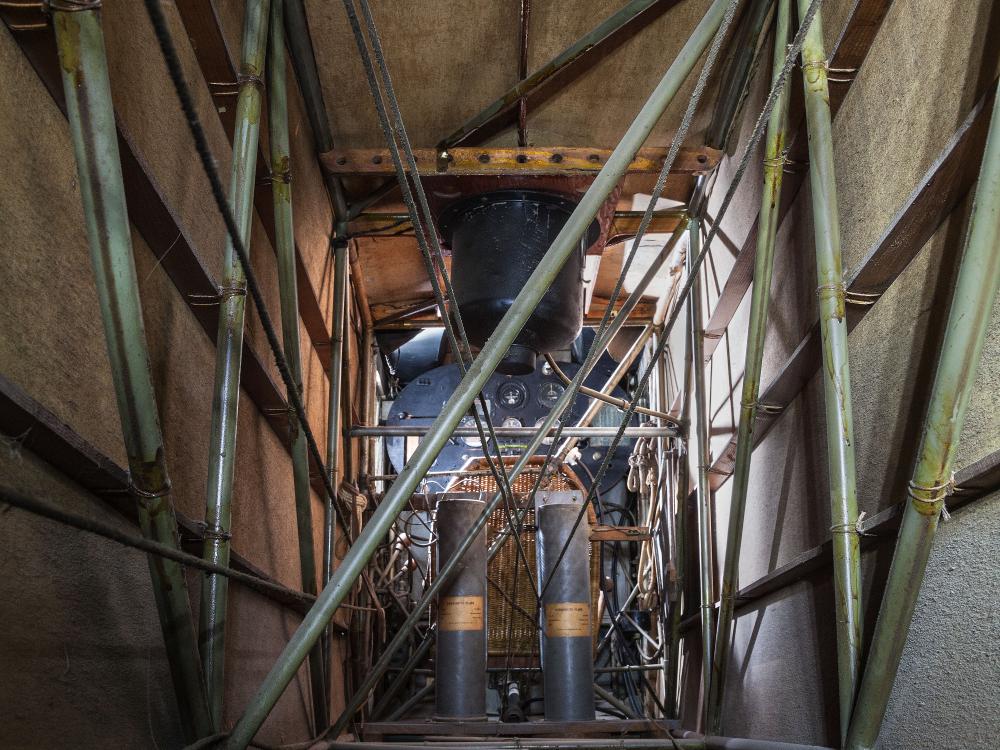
(555, 424)
(512, 422)
(512, 395)
(471, 441)
(549, 392)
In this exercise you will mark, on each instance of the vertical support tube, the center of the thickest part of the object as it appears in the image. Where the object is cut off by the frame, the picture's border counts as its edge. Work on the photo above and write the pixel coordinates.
(284, 238)
(228, 356)
(968, 320)
(333, 430)
(705, 555)
(836, 367)
(80, 40)
(567, 637)
(460, 661)
(774, 159)
(482, 368)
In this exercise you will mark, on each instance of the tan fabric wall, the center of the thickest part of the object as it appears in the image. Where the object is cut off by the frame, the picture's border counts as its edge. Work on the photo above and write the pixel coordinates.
(80, 648)
(929, 64)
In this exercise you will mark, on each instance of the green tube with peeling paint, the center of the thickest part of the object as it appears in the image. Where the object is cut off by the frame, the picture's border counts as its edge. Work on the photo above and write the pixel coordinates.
(89, 107)
(759, 300)
(836, 367)
(284, 238)
(973, 301)
(229, 355)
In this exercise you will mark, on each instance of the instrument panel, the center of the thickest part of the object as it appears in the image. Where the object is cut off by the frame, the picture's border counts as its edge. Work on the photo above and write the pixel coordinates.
(512, 401)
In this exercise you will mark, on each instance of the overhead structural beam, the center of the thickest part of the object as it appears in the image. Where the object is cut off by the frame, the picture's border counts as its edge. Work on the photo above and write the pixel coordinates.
(774, 166)
(943, 186)
(608, 27)
(531, 160)
(80, 40)
(478, 374)
(932, 481)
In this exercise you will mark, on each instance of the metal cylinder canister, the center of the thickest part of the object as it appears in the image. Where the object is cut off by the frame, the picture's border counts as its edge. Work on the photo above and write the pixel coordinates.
(567, 635)
(460, 662)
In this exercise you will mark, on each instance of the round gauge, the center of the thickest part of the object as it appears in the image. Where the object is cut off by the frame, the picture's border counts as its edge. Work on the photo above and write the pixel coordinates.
(472, 441)
(512, 395)
(555, 424)
(549, 392)
(512, 422)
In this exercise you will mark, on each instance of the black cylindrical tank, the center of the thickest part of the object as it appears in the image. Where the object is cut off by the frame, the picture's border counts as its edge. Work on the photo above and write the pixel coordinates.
(567, 636)
(460, 661)
(497, 240)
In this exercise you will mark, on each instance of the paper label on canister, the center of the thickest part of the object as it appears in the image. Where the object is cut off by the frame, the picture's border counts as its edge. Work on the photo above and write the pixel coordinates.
(567, 620)
(461, 613)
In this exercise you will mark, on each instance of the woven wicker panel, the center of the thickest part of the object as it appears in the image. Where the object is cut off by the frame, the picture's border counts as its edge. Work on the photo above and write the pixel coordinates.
(512, 610)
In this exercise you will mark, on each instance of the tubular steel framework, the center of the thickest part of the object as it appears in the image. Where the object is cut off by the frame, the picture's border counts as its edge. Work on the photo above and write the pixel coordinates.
(638, 665)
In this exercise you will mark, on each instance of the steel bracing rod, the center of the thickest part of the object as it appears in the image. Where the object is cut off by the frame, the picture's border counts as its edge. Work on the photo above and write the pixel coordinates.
(404, 674)
(167, 552)
(333, 427)
(480, 371)
(522, 88)
(83, 65)
(836, 367)
(431, 254)
(607, 398)
(229, 357)
(603, 340)
(564, 401)
(415, 430)
(701, 454)
(284, 240)
(169, 50)
(774, 161)
(300, 49)
(968, 320)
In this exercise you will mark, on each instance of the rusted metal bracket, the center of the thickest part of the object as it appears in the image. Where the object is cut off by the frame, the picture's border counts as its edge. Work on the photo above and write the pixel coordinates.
(554, 160)
(602, 533)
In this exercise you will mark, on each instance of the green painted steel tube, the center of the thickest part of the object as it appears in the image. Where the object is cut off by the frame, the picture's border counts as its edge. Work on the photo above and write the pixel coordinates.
(480, 371)
(84, 69)
(774, 157)
(522, 88)
(333, 427)
(836, 367)
(702, 448)
(300, 48)
(972, 305)
(228, 357)
(284, 240)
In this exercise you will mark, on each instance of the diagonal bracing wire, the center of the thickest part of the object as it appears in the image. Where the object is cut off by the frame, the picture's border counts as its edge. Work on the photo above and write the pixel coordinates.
(758, 131)
(211, 171)
(424, 229)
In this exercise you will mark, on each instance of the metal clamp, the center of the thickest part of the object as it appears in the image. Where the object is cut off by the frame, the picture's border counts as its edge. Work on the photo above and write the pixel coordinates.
(138, 492)
(72, 6)
(223, 293)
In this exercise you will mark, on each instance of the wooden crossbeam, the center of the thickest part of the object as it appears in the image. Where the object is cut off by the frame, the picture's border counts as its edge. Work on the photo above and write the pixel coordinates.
(554, 160)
